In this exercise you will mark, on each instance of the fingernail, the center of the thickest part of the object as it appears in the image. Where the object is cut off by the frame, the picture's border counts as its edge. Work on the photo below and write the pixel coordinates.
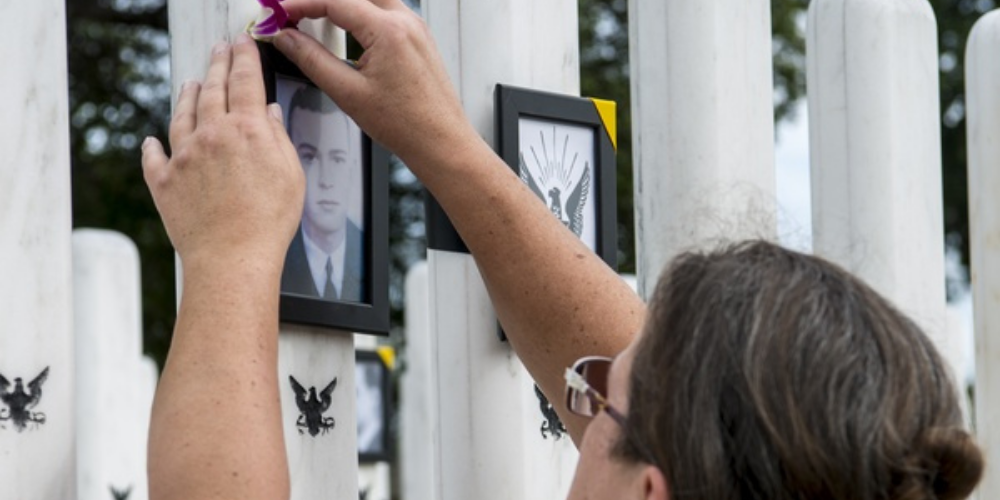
(220, 47)
(284, 40)
(243, 38)
(146, 142)
(275, 111)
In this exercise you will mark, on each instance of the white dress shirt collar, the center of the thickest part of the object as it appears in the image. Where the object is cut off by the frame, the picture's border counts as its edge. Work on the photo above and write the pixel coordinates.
(317, 264)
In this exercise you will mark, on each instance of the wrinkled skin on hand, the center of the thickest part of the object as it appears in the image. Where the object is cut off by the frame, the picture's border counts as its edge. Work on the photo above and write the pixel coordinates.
(234, 187)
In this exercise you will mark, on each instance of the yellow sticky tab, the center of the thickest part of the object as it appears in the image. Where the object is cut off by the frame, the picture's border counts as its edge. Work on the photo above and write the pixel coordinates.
(608, 111)
(388, 355)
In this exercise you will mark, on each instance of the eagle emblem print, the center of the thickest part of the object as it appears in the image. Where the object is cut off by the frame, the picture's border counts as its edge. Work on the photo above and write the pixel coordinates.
(312, 406)
(18, 403)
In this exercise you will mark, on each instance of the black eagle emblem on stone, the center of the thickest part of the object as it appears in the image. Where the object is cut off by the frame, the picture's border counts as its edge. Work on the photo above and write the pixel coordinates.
(313, 406)
(552, 425)
(120, 494)
(19, 402)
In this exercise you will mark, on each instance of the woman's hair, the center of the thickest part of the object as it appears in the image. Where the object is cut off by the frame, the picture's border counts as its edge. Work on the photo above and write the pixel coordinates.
(764, 373)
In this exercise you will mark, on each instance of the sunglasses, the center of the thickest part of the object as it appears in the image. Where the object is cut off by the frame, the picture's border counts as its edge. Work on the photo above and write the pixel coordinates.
(586, 395)
(587, 386)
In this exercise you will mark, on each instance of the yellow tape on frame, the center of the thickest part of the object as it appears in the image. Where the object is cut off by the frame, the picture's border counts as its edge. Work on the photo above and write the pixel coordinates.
(608, 112)
(388, 355)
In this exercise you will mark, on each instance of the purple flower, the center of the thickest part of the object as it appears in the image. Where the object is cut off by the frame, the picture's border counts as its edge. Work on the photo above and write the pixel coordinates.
(269, 22)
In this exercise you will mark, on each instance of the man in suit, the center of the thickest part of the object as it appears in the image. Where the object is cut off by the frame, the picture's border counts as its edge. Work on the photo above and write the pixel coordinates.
(325, 258)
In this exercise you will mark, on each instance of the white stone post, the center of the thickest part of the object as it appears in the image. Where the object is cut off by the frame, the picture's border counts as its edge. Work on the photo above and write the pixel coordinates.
(418, 429)
(375, 479)
(982, 97)
(114, 381)
(875, 143)
(487, 418)
(324, 466)
(703, 126)
(37, 457)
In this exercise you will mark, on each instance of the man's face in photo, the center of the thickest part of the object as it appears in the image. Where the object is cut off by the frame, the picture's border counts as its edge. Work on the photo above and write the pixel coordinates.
(323, 142)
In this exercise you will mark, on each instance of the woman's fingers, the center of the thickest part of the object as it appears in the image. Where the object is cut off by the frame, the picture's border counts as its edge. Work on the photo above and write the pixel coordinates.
(185, 112)
(390, 4)
(212, 100)
(246, 81)
(335, 77)
(351, 15)
(154, 162)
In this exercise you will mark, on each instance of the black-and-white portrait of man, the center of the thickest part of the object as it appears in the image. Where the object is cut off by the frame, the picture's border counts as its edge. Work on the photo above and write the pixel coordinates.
(556, 160)
(326, 257)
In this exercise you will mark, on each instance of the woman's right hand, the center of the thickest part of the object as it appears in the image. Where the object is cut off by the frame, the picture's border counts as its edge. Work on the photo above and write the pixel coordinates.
(400, 93)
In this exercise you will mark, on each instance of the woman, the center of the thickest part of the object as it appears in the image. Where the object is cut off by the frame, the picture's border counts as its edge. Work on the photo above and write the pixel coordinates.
(765, 373)
(759, 373)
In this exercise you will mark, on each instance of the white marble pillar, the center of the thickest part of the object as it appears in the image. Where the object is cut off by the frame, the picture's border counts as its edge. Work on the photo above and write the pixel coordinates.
(37, 457)
(418, 430)
(374, 479)
(114, 381)
(487, 416)
(982, 82)
(875, 143)
(703, 126)
(957, 327)
(326, 465)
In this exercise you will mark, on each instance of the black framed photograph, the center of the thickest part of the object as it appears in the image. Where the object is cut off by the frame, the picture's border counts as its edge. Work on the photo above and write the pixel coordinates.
(373, 404)
(563, 148)
(336, 269)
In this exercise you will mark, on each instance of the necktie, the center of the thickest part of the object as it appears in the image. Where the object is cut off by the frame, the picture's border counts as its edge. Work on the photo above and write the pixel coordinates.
(330, 291)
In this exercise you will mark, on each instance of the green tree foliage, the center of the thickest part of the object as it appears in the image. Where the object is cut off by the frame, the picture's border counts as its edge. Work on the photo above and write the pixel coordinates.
(604, 74)
(955, 20)
(119, 93)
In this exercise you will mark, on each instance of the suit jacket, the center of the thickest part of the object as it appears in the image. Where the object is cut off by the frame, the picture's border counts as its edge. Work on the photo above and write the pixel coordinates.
(296, 277)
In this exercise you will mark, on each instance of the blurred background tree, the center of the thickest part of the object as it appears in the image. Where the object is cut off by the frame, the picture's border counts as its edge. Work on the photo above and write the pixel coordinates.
(955, 19)
(119, 93)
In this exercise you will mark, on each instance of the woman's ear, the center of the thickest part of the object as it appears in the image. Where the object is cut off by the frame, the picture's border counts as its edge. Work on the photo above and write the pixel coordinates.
(654, 484)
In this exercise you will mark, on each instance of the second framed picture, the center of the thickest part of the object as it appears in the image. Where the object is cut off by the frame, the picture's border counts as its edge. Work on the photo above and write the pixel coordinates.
(562, 147)
(374, 407)
(336, 270)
